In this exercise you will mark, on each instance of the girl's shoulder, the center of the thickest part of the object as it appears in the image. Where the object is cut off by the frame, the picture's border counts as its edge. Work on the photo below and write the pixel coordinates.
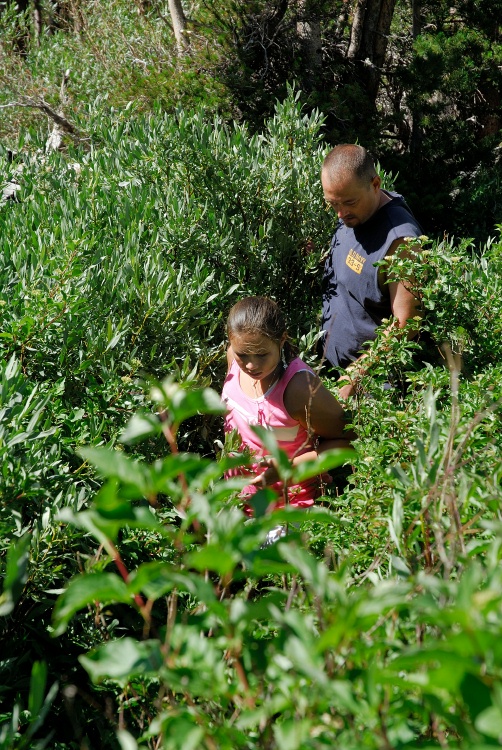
(297, 380)
(300, 389)
(296, 365)
(299, 375)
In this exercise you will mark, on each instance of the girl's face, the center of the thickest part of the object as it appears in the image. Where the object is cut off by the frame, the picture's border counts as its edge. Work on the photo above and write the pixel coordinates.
(256, 354)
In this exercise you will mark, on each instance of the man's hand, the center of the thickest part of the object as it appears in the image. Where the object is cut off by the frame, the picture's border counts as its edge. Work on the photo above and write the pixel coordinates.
(346, 391)
(349, 380)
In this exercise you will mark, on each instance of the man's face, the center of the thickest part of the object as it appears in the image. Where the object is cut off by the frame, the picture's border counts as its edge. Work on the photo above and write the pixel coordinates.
(354, 201)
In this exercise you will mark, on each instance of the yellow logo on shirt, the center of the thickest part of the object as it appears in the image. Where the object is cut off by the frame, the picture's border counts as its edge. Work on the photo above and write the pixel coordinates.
(355, 261)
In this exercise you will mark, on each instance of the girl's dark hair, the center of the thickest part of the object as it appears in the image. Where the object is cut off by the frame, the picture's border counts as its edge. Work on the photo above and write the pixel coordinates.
(260, 315)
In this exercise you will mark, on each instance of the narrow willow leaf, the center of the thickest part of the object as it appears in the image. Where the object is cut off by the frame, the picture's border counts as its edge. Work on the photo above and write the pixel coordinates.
(16, 573)
(400, 566)
(37, 687)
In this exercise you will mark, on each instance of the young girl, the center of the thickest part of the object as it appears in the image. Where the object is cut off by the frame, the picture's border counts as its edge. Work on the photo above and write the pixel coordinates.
(268, 385)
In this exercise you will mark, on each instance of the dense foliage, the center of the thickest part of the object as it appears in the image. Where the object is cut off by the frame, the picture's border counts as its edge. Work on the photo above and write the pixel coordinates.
(429, 107)
(138, 609)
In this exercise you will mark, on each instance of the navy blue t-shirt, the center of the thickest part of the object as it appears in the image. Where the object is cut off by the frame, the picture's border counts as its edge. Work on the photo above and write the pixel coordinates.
(353, 303)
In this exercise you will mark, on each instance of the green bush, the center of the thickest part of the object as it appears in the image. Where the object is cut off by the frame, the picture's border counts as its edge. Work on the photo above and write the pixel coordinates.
(376, 623)
(276, 647)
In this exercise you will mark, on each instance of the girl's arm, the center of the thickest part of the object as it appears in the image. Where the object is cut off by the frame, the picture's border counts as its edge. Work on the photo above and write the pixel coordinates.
(309, 402)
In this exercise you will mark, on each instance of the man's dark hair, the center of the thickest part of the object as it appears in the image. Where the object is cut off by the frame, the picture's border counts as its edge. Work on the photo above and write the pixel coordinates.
(349, 160)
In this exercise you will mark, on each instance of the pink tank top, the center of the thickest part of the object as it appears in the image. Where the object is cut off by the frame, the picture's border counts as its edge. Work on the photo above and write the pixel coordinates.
(269, 411)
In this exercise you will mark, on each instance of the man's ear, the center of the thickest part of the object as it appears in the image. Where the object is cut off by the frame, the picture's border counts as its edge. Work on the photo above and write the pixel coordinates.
(376, 182)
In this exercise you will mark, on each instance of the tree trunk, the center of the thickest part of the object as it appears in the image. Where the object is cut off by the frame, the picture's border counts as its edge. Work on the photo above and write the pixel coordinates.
(381, 36)
(37, 21)
(309, 33)
(416, 131)
(179, 22)
(416, 6)
(357, 29)
(368, 40)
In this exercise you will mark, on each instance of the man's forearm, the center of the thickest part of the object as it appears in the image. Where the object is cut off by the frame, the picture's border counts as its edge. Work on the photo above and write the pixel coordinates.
(348, 382)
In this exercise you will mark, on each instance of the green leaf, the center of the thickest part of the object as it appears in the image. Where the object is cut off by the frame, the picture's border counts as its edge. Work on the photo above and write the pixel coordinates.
(140, 427)
(302, 653)
(476, 694)
(181, 403)
(115, 464)
(39, 704)
(13, 368)
(110, 506)
(445, 669)
(342, 695)
(324, 463)
(292, 515)
(269, 442)
(191, 465)
(153, 579)
(260, 501)
(212, 557)
(200, 588)
(16, 573)
(126, 740)
(311, 570)
(104, 588)
(291, 734)
(489, 722)
(123, 659)
(400, 566)
(401, 475)
(37, 687)
(179, 732)
(106, 529)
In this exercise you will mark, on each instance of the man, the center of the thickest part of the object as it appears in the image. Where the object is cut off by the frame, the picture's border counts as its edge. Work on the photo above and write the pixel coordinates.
(373, 224)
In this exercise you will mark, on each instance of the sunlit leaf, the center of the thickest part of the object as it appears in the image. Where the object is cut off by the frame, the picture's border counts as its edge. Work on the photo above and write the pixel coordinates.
(325, 462)
(141, 426)
(123, 659)
(104, 588)
(212, 557)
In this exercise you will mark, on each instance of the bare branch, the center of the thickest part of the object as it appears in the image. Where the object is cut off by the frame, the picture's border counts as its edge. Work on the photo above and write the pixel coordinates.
(42, 105)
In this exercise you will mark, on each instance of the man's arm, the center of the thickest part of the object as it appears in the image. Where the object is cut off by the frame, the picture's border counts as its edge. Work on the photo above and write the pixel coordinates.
(403, 303)
(404, 306)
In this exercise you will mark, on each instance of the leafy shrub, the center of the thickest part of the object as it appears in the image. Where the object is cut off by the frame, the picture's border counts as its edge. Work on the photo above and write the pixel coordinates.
(119, 260)
(397, 654)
